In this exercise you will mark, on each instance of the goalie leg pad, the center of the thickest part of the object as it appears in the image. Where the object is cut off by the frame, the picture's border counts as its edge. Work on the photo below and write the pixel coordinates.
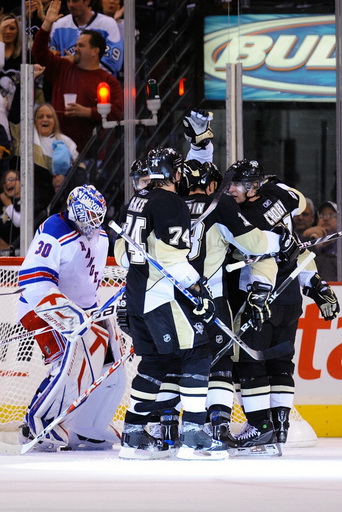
(80, 366)
(93, 418)
(52, 343)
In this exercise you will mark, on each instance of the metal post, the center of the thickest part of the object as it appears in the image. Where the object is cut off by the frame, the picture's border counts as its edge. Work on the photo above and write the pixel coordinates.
(129, 94)
(26, 156)
(338, 17)
(234, 119)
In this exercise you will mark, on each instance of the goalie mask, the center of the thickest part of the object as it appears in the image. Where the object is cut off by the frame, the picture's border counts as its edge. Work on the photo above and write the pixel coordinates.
(163, 164)
(86, 208)
(249, 173)
(140, 174)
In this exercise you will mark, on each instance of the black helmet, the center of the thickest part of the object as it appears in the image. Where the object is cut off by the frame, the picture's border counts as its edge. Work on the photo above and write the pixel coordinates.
(139, 170)
(247, 171)
(199, 174)
(163, 163)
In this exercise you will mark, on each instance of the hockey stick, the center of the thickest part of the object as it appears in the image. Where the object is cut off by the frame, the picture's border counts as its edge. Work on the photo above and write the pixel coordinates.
(225, 183)
(19, 290)
(106, 311)
(272, 298)
(303, 245)
(255, 354)
(27, 446)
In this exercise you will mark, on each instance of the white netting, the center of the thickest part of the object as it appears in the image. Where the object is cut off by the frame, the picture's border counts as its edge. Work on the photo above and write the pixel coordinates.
(22, 367)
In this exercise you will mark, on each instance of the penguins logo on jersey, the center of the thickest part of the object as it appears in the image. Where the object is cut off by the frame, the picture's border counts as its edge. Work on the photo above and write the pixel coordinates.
(219, 339)
(199, 328)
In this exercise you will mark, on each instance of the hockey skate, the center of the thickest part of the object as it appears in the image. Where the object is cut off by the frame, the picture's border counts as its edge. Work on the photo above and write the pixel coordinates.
(195, 444)
(258, 441)
(221, 430)
(137, 443)
(170, 431)
(81, 443)
(280, 416)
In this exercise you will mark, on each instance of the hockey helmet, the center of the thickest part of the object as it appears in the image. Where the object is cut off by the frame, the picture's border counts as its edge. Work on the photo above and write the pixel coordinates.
(200, 175)
(139, 174)
(247, 171)
(87, 208)
(163, 163)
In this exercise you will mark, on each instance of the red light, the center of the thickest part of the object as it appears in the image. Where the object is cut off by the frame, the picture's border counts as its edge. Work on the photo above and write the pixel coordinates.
(181, 86)
(103, 93)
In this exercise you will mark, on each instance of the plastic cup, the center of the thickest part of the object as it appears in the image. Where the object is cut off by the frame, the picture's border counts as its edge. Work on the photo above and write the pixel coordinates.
(69, 98)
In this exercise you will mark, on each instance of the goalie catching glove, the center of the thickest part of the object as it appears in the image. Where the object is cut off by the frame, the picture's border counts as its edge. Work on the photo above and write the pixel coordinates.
(257, 303)
(197, 128)
(324, 297)
(205, 307)
(122, 315)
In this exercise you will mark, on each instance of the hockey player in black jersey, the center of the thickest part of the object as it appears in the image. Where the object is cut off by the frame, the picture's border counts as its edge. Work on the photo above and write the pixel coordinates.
(167, 333)
(210, 241)
(267, 388)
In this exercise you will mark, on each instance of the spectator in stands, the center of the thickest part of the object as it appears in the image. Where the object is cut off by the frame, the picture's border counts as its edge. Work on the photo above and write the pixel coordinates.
(54, 152)
(114, 9)
(82, 76)
(304, 220)
(5, 145)
(66, 31)
(9, 209)
(326, 254)
(10, 61)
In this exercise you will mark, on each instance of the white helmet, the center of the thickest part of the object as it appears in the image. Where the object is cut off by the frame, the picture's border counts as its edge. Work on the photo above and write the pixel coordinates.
(86, 208)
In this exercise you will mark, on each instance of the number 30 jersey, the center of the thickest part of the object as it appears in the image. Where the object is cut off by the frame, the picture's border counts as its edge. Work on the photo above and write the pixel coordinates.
(159, 221)
(60, 256)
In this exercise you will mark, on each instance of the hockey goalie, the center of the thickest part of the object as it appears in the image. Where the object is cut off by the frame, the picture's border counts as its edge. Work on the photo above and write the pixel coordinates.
(61, 274)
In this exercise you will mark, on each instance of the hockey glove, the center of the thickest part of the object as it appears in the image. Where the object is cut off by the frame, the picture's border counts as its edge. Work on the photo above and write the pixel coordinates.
(205, 307)
(324, 297)
(257, 303)
(197, 128)
(122, 316)
(289, 244)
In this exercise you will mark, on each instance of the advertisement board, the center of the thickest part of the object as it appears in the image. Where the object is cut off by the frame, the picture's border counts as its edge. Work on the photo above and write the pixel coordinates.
(318, 374)
(284, 57)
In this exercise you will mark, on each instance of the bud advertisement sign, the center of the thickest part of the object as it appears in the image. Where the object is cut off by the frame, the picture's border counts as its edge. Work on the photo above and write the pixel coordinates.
(284, 57)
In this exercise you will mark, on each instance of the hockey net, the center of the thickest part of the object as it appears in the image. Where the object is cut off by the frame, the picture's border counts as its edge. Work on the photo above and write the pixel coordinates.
(22, 367)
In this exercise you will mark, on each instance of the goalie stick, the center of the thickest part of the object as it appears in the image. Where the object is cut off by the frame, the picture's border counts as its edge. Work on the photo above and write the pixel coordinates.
(106, 311)
(255, 354)
(272, 298)
(76, 403)
(303, 245)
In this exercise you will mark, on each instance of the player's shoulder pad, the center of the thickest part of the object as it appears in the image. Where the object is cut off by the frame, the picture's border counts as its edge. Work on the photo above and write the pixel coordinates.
(56, 226)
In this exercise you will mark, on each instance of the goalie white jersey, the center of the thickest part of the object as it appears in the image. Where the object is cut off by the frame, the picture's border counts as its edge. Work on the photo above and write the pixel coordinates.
(60, 256)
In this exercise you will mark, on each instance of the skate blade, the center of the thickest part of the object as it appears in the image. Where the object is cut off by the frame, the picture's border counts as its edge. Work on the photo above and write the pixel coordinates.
(127, 452)
(186, 453)
(262, 450)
